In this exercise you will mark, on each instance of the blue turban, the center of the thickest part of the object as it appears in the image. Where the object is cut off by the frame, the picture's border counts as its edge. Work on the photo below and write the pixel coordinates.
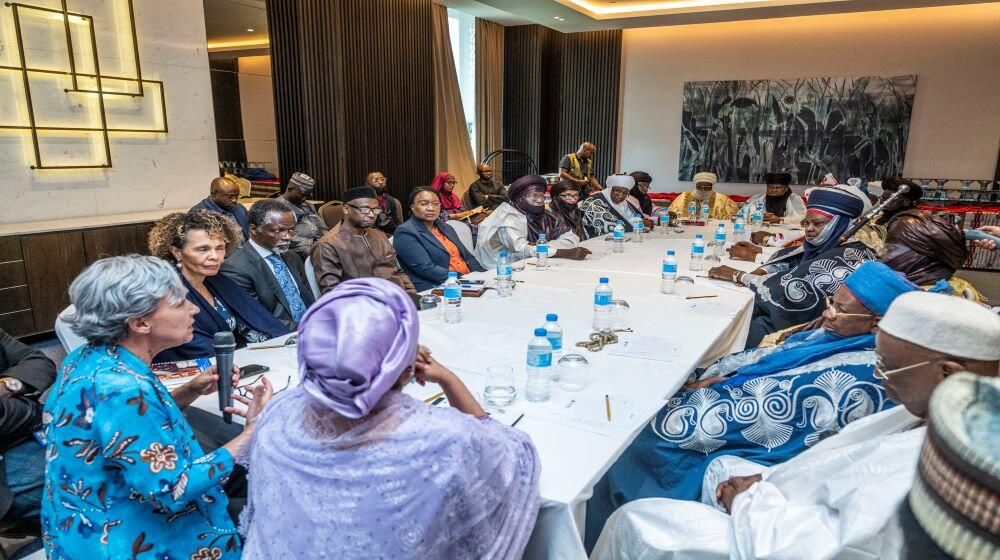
(842, 204)
(876, 286)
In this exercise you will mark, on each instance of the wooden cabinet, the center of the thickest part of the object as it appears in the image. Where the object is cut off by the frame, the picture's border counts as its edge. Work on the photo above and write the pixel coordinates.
(37, 269)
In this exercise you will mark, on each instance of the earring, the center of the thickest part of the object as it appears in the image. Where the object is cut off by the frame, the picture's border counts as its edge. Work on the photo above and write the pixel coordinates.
(178, 265)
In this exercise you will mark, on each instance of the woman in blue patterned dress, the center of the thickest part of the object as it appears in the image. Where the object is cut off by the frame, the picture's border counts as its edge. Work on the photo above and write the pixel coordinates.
(125, 476)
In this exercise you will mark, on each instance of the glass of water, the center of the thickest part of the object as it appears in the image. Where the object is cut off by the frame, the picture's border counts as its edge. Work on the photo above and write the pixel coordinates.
(519, 259)
(574, 370)
(683, 287)
(499, 391)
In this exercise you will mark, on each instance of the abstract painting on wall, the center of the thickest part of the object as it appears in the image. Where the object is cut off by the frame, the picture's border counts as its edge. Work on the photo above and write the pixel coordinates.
(742, 129)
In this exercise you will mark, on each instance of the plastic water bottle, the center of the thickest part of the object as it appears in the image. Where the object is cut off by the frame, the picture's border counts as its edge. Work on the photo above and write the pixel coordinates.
(602, 305)
(639, 228)
(554, 333)
(505, 276)
(452, 299)
(704, 213)
(697, 253)
(739, 232)
(618, 238)
(539, 385)
(541, 252)
(668, 278)
(692, 211)
(664, 220)
(756, 219)
(719, 243)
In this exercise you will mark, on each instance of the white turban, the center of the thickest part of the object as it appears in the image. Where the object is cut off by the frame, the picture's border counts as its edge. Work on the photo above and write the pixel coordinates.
(621, 181)
(948, 324)
(705, 177)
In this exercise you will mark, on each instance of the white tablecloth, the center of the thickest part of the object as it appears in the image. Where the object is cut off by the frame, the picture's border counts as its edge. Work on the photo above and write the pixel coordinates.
(575, 441)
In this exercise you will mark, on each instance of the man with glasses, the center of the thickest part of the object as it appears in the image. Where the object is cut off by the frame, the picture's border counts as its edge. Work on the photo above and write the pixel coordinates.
(764, 405)
(223, 198)
(355, 249)
(309, 226)
(838, 499)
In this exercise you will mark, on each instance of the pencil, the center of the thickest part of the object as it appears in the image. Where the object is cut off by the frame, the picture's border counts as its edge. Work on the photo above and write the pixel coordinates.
(429, 399)
(607, 405)
(518, 420)
(700, 297)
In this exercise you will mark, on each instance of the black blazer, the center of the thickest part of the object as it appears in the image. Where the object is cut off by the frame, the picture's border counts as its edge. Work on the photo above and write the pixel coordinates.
(22, 415)
(423, 257)
(251, 272)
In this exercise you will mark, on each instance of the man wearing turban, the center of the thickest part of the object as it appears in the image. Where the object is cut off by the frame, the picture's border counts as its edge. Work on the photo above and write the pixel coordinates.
(348, 466)
(720, 206)
(603, 210)
(777, 204)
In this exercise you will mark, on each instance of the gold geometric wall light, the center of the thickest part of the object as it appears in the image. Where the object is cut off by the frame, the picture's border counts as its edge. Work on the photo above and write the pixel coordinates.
(64, 100)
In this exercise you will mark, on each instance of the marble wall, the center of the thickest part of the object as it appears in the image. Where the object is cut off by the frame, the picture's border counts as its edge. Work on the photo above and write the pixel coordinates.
(149, 171)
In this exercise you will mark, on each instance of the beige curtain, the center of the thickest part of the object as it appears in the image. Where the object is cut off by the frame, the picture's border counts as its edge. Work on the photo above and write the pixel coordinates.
(453, 151)
(489, 91)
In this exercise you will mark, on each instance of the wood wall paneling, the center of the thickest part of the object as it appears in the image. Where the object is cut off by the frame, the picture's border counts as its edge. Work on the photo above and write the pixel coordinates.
(14, 299)
(10, 248)
(52, 261)
(117, 240)
(12, 274)
(19, 323)
(352, 89)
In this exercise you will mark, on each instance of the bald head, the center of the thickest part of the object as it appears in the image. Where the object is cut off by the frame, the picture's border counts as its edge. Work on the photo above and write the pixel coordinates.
(586, 151)
(484, 171)
(225, 192)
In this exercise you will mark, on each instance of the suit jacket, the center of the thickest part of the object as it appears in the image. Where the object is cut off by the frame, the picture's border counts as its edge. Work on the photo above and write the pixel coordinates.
(251, 272)
(208, 321)
(340, 256)
(423, 257)
(21, 415)
(239, 213)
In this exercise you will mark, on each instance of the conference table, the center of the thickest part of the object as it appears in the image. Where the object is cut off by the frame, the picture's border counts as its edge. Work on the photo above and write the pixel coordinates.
(576, 440)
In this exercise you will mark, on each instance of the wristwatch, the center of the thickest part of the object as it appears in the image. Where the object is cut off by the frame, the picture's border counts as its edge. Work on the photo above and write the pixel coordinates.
(13, 385)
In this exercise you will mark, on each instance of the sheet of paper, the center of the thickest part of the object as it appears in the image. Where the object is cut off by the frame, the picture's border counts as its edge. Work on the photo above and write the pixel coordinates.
(645, 347)
(715, 308)
(589, 413)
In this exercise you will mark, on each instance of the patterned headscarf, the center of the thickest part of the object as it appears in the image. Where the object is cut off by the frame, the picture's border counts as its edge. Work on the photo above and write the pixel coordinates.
(355, 342)
(539, 221)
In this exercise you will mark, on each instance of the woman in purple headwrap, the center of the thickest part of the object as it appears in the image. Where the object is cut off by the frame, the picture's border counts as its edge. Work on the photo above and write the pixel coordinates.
(347, 466)
(515, 226)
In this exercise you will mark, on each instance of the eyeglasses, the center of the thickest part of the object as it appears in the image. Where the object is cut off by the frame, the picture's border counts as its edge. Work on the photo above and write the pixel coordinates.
(567, 196)
(366, 210)
(882, 373)
(834, 313)
(451, 182)
(245, 390)
(428, 204)
(537, 197)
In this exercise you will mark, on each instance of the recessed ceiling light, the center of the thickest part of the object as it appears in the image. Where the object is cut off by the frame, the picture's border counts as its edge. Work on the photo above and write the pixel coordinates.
(559, 18)
(249, 29)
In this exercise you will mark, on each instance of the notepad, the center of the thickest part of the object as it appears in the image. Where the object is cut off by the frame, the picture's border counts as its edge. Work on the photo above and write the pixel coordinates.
(645, 348)
(715, 308)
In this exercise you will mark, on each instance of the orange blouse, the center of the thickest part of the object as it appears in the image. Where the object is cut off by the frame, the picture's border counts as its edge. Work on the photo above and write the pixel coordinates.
(455, 260)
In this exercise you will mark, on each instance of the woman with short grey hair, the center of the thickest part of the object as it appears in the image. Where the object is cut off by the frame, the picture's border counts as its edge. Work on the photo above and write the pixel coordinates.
(125, 474)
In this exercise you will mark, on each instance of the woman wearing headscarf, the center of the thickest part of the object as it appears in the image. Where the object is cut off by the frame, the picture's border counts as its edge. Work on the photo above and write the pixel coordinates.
(451, 203)
(565, 207)
(638, 197)
(514, 227)
(603, 210)
(777, 204)
(928, 249)
(347, 466)
(792, 286)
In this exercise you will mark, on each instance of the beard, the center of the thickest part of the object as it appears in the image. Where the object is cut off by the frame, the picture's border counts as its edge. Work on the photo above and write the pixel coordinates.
(281, 248)
(702, 195)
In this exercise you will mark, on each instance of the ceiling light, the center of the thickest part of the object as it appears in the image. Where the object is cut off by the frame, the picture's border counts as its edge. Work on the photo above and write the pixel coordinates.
(249, 29)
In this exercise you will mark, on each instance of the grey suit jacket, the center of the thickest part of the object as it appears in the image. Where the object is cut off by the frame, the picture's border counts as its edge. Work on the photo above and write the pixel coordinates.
(248, 269)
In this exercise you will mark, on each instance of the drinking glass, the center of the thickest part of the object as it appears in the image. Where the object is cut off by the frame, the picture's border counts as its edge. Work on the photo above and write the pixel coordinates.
(499, 390)
(683, 287)
(431, 305)
(519, 259)
(574, 370)
(620, 312)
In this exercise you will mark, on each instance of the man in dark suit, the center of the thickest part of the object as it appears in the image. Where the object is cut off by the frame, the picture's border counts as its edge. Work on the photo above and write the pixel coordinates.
(25, 373)
(223, 198)
(265, 267)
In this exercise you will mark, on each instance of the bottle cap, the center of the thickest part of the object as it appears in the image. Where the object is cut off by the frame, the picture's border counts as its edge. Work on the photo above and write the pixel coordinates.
(670, 253)
(540, 332)
(603, 280)
(452, 274)
(722, 225)
(697, 236)
(552, 317)
(541, 236)
(503, 254)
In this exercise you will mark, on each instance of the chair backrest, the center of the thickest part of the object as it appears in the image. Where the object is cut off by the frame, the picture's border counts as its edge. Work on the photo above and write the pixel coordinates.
(464, 233)
(399, 210)
(69, 339)
(332, 213)
(311, 278)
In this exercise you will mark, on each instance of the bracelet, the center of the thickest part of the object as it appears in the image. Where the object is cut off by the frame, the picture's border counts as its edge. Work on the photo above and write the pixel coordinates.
(738, 277)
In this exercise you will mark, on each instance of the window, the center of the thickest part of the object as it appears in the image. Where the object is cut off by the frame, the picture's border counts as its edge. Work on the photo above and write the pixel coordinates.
(462, 31)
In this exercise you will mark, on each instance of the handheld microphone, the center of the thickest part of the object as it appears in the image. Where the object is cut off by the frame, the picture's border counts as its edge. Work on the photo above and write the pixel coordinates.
(225, 345)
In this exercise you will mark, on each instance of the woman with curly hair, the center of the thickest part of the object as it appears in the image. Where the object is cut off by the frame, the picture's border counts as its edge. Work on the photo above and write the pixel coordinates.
(196, 243)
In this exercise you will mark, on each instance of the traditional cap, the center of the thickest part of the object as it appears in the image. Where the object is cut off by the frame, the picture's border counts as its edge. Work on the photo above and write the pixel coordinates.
(955, 498)
(876, 286)
(641, 177)
(842, 200)
(620, 181)
(524, 185)
(302, 181)
(359, 192)
(355, 342)
(778, 178)
(705, 177)
(948, 324)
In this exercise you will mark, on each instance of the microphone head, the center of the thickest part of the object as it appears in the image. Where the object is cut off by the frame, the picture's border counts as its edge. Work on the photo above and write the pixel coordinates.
(224, 339)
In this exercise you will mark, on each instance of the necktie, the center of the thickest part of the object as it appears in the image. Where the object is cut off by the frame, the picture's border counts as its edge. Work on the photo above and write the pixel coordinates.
(288, 286)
